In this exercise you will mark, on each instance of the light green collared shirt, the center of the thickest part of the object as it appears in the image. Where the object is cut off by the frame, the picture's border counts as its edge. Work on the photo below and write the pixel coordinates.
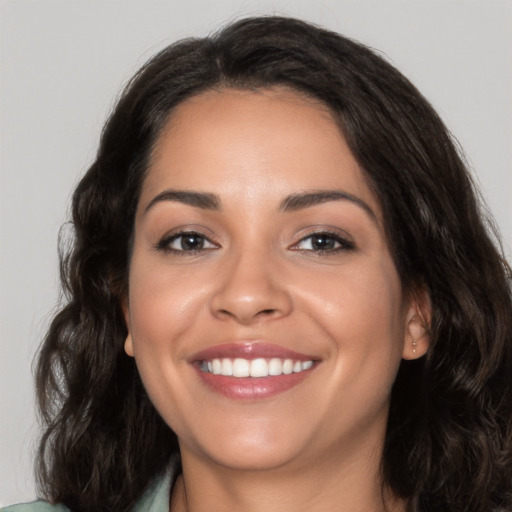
(155, 499)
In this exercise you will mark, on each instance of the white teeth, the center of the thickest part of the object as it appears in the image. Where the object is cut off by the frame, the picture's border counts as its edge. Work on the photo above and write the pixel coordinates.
(306, 365)
(240, 368)
(254, 368)
(275, 366)
(226, 367)
(287, 366)
(216, 366)
(259, 368)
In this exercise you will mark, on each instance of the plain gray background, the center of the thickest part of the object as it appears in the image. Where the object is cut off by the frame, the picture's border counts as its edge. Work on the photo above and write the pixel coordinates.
(62, 63)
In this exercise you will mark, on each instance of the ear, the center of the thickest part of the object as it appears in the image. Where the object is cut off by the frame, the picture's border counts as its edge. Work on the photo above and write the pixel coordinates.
(128, 343)
(417, 327)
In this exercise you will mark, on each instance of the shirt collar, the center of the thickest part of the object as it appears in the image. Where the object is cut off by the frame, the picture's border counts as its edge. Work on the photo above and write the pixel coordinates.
(157, 496)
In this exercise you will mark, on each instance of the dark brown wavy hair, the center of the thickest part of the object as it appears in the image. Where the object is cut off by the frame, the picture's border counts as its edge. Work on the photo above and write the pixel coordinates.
(449, 437)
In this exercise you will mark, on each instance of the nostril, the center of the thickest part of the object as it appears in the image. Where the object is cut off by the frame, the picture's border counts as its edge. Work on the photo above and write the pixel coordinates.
(267, 311)
(250, 301)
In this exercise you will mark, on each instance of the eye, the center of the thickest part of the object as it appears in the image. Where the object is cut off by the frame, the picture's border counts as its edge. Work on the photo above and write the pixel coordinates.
(324, 242)
(189, 241)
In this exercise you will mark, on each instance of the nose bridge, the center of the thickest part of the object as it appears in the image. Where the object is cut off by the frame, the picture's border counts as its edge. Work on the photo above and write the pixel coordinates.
(250, 287)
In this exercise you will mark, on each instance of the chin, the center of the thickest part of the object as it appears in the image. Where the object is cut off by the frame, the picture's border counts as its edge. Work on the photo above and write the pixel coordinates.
(261, 448)
(255, 458)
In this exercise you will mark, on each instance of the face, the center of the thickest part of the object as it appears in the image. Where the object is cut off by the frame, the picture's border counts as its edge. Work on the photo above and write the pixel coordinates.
(265, 312)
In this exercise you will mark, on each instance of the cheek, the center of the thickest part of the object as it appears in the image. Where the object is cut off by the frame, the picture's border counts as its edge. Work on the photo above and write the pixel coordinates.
(374, 312)
(163, 310)
(366, 298)
(361, 312)
(161, 313)
(162, 302)
(377, 318)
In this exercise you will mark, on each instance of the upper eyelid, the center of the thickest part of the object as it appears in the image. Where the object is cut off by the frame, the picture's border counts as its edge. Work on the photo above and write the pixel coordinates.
(344, 240)
(189, 229)
(324, 230)
(172, 235)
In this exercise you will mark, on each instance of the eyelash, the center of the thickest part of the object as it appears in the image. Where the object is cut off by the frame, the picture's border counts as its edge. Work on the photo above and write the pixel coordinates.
(165, 243)
(343, 244)
(340, 243)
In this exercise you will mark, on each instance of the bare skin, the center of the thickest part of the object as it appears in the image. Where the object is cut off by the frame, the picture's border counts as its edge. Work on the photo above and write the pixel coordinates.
(256, 228)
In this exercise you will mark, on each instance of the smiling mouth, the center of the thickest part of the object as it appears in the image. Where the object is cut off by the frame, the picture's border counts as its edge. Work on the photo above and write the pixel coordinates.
(254, 368)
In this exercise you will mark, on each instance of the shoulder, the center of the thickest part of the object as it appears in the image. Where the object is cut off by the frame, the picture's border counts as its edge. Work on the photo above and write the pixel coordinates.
(155, 499)
(35, 506)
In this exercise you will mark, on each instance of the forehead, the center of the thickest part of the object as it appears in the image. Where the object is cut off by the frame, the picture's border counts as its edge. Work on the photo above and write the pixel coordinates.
(270, 142)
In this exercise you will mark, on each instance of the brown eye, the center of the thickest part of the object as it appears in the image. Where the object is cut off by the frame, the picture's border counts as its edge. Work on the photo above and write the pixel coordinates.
(190, 242)
(186, 242)
(324, 242)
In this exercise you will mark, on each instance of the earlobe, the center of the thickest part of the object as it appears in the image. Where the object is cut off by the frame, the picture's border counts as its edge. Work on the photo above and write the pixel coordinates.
(417, 339)
(417, 332)
(128, 345)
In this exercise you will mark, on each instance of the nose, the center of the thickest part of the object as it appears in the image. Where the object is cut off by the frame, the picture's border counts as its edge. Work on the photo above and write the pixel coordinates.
(251, 288)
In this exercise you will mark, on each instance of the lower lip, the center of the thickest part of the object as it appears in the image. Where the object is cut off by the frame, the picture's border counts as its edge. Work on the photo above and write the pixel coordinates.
(250, 388)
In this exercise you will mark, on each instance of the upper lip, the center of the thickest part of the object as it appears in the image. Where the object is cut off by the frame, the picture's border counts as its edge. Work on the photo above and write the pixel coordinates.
(249, 350)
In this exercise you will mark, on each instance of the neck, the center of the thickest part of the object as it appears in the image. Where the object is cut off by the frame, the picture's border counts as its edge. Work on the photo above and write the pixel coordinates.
(323, 485)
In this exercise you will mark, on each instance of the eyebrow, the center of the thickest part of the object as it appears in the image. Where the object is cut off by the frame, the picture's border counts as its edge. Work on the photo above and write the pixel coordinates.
(294, 202)
(203, 200)
(303, 200)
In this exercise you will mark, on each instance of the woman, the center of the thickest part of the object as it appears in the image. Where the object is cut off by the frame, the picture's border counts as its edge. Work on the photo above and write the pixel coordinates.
(282, 295)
